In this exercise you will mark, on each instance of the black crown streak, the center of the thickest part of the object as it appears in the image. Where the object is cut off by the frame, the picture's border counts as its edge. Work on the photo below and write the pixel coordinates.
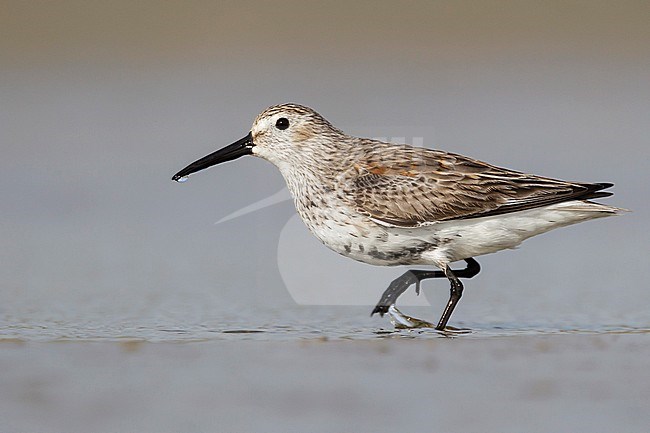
(236, 150)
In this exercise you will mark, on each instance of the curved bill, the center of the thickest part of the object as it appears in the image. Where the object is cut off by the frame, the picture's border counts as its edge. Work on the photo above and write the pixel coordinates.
(238, 148)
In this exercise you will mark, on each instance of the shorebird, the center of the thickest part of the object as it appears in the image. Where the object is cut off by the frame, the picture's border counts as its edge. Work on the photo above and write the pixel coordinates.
(387, 204)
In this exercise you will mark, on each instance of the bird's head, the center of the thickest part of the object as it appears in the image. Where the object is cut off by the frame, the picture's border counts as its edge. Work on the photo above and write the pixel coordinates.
(286, 135)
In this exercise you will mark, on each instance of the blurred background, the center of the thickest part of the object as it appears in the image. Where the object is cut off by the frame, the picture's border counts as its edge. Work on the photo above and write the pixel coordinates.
(101, 102)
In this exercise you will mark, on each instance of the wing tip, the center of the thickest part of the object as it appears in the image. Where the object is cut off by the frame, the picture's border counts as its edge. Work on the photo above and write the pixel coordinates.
(595, 190)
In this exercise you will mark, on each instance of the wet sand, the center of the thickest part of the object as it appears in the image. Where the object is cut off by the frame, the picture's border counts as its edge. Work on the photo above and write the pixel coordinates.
(576, 383)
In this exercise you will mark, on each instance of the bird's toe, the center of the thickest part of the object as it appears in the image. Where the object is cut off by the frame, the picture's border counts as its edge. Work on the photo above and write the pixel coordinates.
(381, 309)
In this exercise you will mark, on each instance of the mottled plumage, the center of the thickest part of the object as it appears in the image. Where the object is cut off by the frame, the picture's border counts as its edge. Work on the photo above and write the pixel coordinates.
(409, 187)
(388, 204)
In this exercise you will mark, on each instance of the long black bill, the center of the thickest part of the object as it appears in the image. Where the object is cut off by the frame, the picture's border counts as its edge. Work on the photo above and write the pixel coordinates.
(237, 149)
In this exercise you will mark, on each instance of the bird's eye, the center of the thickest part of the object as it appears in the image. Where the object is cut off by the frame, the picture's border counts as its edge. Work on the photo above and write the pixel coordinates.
(282, 123)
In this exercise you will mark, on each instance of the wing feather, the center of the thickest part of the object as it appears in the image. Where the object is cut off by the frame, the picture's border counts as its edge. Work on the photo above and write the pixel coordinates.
(408, 187)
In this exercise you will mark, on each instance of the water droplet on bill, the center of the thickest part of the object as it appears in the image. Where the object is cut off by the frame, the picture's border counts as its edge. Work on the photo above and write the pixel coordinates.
(182, 179)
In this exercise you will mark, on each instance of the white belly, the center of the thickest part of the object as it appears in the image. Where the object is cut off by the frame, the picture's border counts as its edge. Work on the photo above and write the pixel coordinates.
(480, 236)
(357, 237)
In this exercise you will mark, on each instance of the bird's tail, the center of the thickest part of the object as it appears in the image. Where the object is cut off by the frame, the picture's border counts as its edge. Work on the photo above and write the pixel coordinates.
(590, 207)
(583, 203)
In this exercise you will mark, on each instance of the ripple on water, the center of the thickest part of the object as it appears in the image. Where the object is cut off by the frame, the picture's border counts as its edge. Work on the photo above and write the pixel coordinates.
(320, 323)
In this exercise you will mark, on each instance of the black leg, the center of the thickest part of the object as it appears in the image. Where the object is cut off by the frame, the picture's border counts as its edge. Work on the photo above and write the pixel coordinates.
(399, 286)
(470, 270)
(455, 293)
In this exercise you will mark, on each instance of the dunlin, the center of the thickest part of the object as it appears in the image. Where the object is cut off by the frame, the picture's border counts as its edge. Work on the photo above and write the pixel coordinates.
(387, 204)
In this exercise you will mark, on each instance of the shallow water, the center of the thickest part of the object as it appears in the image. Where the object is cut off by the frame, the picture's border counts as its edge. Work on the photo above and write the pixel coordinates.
(277, 324)
(533, 383)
